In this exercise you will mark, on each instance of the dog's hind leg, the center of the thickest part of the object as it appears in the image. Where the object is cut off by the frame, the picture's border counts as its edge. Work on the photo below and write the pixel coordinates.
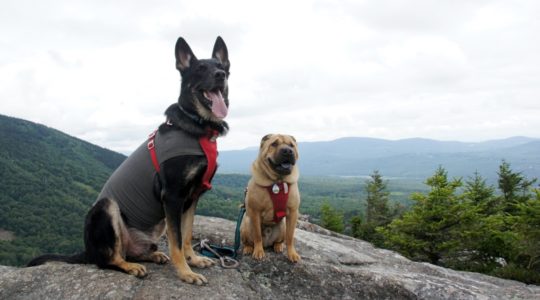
(278, 237)
(158, 256)
(142, 246)
(256, 233)
(105, 237)
(134, 269)
(245, 235)
(278, 247)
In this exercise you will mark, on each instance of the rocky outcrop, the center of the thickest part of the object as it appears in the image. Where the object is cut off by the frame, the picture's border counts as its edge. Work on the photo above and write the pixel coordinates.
(333, 267)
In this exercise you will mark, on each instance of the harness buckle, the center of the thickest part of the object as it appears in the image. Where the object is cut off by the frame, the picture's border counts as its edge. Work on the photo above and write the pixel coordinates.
(151, 144)
(151, 137)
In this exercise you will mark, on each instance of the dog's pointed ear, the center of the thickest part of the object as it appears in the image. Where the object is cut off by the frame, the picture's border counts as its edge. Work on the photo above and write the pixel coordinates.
(184, 55)
(220, 53)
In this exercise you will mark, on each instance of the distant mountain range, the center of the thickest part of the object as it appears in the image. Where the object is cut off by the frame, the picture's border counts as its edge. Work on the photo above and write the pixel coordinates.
(411, 158)
(415, 158)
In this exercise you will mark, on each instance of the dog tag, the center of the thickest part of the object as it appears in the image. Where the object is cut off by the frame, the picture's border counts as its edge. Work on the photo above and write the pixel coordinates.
(275, 188)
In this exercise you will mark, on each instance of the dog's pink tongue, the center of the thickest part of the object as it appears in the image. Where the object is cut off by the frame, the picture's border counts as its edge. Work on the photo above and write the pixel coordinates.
(219, 108)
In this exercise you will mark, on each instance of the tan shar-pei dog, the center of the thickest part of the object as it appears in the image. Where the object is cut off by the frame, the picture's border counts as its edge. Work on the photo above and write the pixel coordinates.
(272, 199)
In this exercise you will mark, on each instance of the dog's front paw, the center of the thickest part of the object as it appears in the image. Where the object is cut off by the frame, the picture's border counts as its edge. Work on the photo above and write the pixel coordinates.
(258, 253)
(193, 278)
(200, 261)
(293, 256)
(159, 257)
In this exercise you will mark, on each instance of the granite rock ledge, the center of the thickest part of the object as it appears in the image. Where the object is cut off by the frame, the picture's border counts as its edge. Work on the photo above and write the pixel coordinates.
(333, 266)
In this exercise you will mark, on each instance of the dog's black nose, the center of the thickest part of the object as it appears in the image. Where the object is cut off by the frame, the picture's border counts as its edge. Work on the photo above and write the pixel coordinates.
(286, 151)
(219, 74)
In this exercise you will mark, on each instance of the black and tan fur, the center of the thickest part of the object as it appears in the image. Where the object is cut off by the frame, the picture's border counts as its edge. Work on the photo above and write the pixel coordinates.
(109, 241)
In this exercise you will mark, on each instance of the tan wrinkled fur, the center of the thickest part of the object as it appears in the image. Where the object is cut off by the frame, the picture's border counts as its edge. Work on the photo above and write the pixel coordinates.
(258, 229)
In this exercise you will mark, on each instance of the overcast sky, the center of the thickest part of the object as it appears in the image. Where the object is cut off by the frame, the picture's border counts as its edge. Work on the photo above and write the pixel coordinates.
(104, 71)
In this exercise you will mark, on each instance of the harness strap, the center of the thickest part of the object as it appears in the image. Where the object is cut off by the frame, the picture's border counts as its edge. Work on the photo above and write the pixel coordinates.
(209, 147)
(279, 193)
(152, 148)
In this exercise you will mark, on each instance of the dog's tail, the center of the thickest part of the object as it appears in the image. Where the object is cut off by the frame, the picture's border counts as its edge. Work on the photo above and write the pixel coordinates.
(79, 258)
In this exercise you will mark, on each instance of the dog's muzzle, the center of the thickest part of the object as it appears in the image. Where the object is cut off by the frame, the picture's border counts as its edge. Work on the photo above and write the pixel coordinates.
(284, 161)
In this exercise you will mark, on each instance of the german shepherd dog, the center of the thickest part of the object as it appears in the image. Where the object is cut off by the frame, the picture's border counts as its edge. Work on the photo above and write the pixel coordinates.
(110, 236)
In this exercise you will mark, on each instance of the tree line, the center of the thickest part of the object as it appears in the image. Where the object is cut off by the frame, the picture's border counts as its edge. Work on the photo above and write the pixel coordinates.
(460, 224)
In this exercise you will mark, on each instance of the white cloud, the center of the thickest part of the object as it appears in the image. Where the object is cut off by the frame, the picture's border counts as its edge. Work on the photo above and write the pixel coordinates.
(317, 69)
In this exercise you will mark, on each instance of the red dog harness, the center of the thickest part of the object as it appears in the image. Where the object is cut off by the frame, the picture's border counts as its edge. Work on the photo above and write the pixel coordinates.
(208, 145)
(279, 193)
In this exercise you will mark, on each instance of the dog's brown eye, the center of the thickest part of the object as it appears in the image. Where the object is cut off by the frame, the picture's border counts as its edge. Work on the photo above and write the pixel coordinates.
(292, 145)
(274, 144)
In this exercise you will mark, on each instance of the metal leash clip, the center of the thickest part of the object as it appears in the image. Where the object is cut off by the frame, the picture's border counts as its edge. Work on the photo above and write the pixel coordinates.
(227, 262)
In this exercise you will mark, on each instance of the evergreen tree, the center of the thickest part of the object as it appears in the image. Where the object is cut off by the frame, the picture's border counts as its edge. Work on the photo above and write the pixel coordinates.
(331, 219)
(480, 194)
(528, 230)
(356, 226)
(515, 188)
(524, 263)
(431, 230)
(507, 227)
(486, 239)
(377, 210)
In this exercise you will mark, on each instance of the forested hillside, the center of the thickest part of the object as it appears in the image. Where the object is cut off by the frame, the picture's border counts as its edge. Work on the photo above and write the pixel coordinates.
(48, 181)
